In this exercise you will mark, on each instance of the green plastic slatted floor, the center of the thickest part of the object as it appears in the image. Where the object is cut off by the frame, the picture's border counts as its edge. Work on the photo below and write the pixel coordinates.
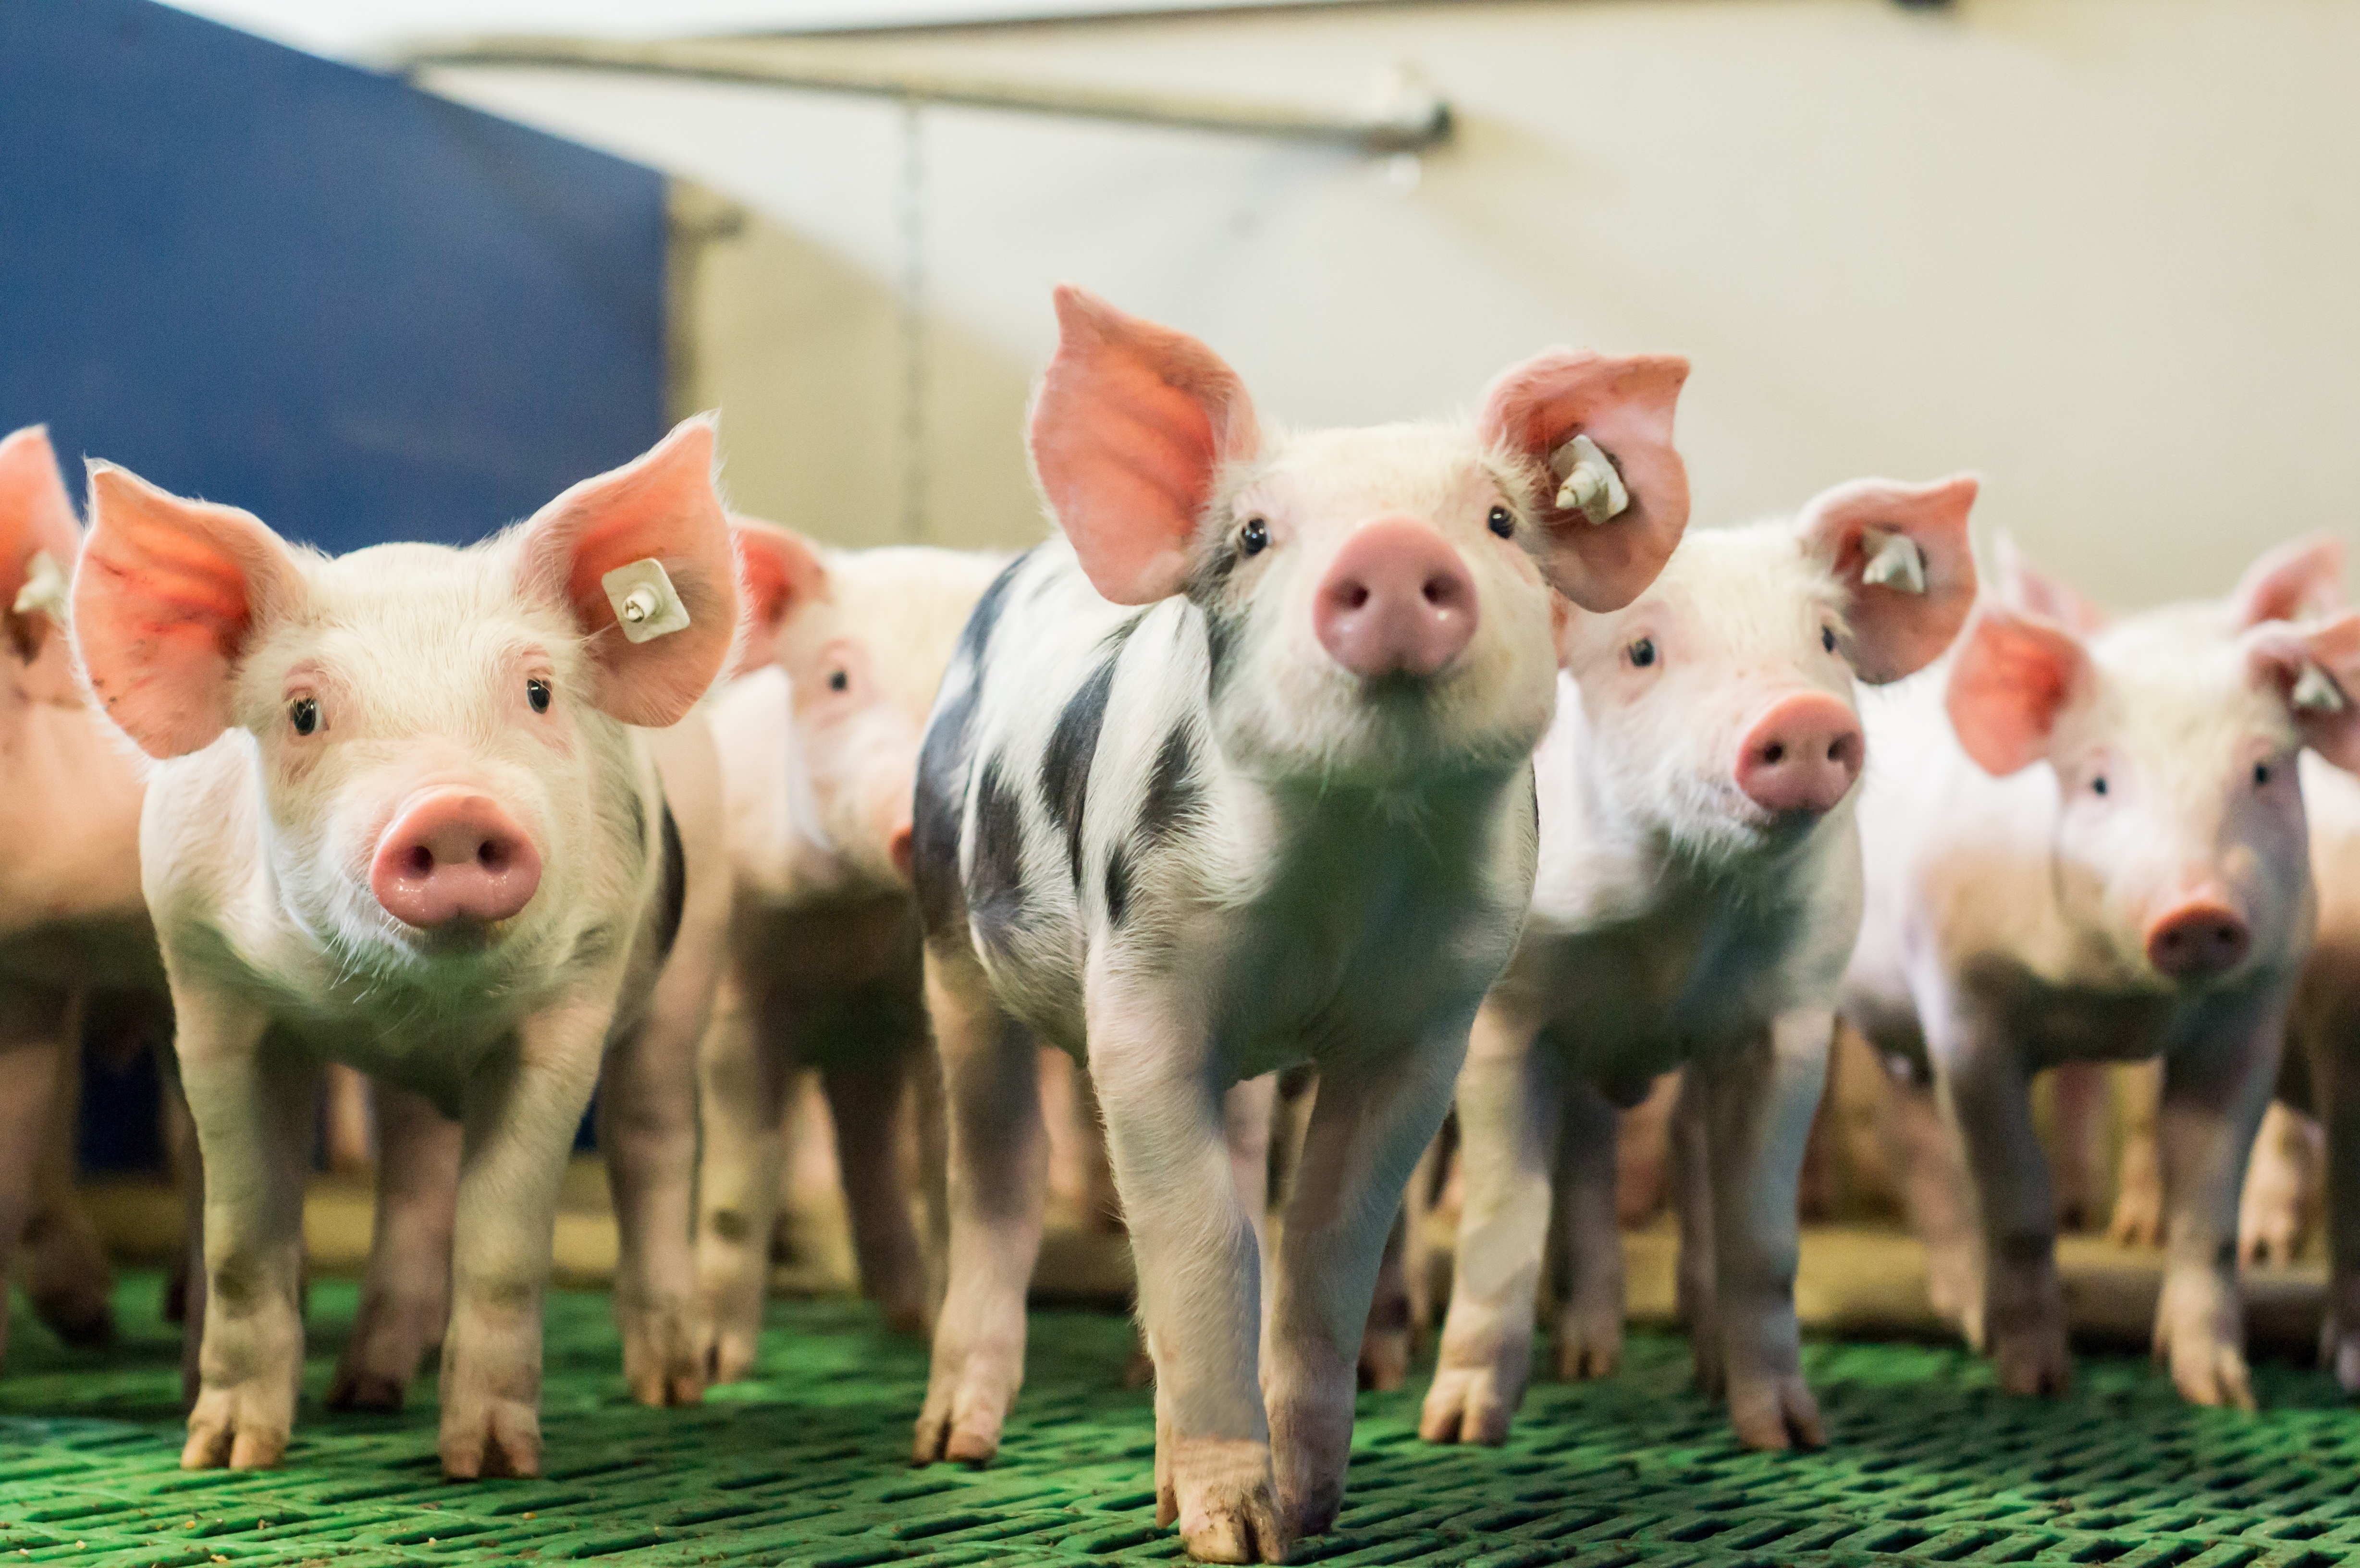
(1928, 1464)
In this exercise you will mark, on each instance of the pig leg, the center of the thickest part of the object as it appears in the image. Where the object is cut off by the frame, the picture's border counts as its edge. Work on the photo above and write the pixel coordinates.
(866, 1102)
(2081, 1097)
(2333, 1053)
(1924, 1152)
(406, 1292)
(1199, 1268)
(2138, 1198)
(1694, 1297)
(253, 1108)
(1989, 1097)
(999, 1172)
(69, 1279)
(1384, 1342)
(1371, 1120)
(1759, 1102)
(647, 1130)
(2274, 1212)
(1509, 1095)
(1101, 1205)
(746, 1069)
(520, 1114)
(2211, 1107)
(33, 1031)
(1588, 1253)
(349, 1149)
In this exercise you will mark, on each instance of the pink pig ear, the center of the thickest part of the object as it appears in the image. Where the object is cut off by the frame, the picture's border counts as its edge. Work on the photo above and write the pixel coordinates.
(37, 517)
(2014, 675)
(1132, 424)
(165, 602)
(779, 571)
(2028, 587)
(2294, 580)
(661, 507)
(1908, 575)
(1623, 403)
(2316, 668)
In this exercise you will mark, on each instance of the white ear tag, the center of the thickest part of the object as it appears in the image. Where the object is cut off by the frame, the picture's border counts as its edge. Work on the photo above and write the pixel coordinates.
(646, 604)
(1894, 562)
(2314, 693)
(44, 589)
(1588, 482)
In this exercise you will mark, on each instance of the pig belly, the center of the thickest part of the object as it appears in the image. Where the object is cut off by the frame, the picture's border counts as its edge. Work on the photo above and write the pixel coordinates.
(1627, 1007)
(2054, 1024)
(114, 953)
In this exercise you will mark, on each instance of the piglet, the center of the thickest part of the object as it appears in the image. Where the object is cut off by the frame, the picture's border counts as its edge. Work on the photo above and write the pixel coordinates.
(1698, 893)
(2088, 841)
(819, 748)
(400, 818)
(1235, 774)
(71, 921)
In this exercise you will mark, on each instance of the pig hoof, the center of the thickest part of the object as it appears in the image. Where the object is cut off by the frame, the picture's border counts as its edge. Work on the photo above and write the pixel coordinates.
(2138, 1219)
(503, 1441)
(2339, 1349)
(2034, 1362)
(1468, 1405)
(967, 1440)
(730, 1358)
(226, 1428)
(661, 1359)
(1139, 1371)
(2213, 1374)
(1776, 1413)
(1220, 1493)
(1585, 1350)
(81, 1322)
(355, 1389)
(1384, 1359)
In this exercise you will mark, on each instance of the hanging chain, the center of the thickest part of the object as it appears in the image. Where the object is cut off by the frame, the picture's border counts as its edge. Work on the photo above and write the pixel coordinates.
(913, 216)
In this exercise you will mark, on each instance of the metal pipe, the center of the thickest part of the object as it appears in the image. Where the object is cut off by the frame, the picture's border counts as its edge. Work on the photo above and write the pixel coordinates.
(1411, 119)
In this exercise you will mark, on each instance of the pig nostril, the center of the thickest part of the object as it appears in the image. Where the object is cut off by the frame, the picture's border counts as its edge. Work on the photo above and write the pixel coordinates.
(1356, 596)
(491, 855)
(1774, 752)
(421, 860)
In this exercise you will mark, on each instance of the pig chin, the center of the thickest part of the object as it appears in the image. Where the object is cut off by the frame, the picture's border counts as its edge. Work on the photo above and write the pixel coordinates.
(1392, 732)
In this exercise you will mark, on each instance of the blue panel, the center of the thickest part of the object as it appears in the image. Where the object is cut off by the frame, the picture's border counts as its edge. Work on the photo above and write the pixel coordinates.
(357, 309)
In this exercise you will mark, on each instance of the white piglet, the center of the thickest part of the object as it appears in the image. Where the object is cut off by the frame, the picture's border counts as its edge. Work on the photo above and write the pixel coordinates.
(1699, 892)
(399, 820)
(2091, 844)
(1235, 774)
(819, 748)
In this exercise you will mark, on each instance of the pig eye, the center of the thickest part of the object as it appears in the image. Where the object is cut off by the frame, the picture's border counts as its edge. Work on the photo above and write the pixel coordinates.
(1828, 638)
(1504, 522)
(536, 691)
(2261, 773)
(2098, 785)
(1643, 652)
(303, 713)
(839, 680)
(1254, 537)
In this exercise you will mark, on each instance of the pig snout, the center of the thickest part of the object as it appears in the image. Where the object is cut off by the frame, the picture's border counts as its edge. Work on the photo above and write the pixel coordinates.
(1396, 600)
(453, 855)
(1803, 753)
(2198, 937)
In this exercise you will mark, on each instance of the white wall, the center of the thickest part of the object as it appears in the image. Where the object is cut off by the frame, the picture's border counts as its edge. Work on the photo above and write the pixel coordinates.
(2105, 251)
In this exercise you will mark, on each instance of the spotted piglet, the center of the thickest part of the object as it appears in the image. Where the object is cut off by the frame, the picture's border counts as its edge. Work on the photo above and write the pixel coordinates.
(1238, 773)
(819, 746)
(1699, 892)
(400, 819)
(2090, 843)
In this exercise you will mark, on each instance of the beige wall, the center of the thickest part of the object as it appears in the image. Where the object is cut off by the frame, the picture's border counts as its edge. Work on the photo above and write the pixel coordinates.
(2105, 251)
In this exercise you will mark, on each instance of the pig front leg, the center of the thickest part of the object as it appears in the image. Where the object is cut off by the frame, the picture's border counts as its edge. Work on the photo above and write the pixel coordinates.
(34, 1027)
(1988, 1096)
(1509, 1095)
(1759, 1101)
(406, 1292)
(647, 1130)
(746, 1076)
(1374, 1116)
(253, 1108)
(2281, 1184)
(1923, 1152)
(1199, 1269)
(998, 1162)
(1587, 1249)
(867, 1102)
(2213, 1096)
(2334, 1054)
(2080, 1097)
(520, 1111)
(2138, 1195)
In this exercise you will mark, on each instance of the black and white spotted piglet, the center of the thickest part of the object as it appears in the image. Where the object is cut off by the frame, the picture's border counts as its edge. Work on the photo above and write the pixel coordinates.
(1235, 774)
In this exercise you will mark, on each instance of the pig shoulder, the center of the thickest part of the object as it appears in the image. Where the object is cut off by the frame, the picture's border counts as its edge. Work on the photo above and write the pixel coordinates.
(68, 840)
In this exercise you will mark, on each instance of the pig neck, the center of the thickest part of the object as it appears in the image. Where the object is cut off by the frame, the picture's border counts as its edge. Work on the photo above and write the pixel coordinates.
(68, 821)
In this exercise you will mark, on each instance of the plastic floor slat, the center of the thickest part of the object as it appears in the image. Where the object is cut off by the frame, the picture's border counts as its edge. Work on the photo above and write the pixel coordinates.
(1928, 1464)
